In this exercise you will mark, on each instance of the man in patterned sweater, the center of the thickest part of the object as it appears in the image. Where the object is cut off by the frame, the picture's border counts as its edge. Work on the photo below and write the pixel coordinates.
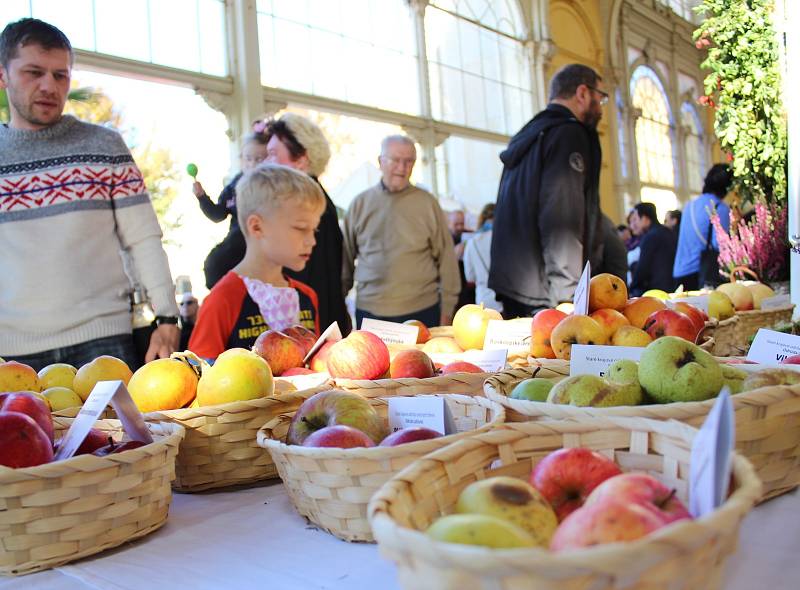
(71, 199)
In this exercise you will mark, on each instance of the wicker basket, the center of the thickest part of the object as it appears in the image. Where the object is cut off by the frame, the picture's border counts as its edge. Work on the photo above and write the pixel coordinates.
(332, 487)
(685, 556)
(58, 512)
(767, 423)
(220, 448)
(464, 383)
(721, 338)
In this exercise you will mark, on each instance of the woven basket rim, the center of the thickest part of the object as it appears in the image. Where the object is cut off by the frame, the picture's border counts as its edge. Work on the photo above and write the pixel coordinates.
(475, 558)
(166, 433)
(378, 452)
(752, 312)
(388, 383)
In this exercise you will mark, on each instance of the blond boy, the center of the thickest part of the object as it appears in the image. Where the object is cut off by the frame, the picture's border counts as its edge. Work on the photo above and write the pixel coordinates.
(279, 210)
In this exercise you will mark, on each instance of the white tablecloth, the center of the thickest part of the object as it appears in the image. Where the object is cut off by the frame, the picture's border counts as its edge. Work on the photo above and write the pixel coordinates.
(252, 538)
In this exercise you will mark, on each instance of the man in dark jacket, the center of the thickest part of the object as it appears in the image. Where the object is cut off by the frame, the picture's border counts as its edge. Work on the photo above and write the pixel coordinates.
(657, 248)
(547, 220)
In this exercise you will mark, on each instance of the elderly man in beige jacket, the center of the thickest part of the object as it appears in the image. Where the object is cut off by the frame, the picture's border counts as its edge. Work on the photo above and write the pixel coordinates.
(398, 232)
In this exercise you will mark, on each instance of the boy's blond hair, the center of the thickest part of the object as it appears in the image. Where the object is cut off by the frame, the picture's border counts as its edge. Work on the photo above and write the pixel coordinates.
(270, 185)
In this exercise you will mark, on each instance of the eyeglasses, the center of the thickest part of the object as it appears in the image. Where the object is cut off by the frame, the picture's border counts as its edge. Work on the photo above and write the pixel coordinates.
(403, 161)
(603, 95)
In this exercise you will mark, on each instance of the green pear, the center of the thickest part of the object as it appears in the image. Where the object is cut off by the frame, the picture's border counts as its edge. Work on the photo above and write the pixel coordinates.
(623, 372)
(733, 377)
(512, 500)
(675, 370)
(770, 377)
(535, 389)
(594, 391)
(479, 529)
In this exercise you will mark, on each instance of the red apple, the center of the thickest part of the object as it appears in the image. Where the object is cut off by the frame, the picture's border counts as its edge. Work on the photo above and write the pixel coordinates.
(28, 403)
(566, 477)
(319, 362)
(117, 447)
(362, 355)
(638, 309)
(407, 435)
(307, 338)
(411, 363)
(604, 522)
(791, 360)
(22, 441)
(668, 322)
(460, 367)
(697, 315)
(282, 352)
(297, 371)
(332, 407)
(541, 328)
(338, 436)
(424, 334)
(642, 489)
(94, 440)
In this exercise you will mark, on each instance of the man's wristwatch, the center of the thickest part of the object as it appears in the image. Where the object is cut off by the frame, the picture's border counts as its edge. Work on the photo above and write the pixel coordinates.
(166, 319)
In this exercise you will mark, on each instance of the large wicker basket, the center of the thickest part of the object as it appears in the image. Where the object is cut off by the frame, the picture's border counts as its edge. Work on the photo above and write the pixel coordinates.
(767, 423)
(332, 487)
(731, 337)
(464, 383)
(685, 556)
(220, 448)
(58, 512)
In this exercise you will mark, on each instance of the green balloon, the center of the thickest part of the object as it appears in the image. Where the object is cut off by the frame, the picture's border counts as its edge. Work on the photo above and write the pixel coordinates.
(191, 170)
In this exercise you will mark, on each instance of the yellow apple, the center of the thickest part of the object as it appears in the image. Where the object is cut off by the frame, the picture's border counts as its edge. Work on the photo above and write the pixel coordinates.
(16, 376)
(441, 344)
(630, 336)
(659, 294)
(607, 291)
(61, 398)
(470, 323)
(720, 306)
(163, 384)
(575, 329)
(237, 375)
(57, 375)
(103, 368)
(759, 291)
(610, 320)
(740, 295)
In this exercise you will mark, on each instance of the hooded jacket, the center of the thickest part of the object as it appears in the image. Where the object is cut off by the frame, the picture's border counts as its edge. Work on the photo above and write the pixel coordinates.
(548, 209)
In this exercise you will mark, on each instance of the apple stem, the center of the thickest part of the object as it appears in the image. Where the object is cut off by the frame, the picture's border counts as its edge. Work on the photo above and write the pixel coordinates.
(666, 500)
(111, 444)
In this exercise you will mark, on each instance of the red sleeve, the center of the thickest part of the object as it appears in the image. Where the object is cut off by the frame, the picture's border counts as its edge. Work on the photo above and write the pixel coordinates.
(312, 295)
(217, 317)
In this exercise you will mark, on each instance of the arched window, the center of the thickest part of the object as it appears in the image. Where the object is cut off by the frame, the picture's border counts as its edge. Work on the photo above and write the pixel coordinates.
(479, 66)
(654, 148)
(359, 51)
(693, 147)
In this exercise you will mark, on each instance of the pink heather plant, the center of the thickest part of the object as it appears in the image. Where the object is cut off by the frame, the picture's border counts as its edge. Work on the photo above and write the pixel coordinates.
(760, 244)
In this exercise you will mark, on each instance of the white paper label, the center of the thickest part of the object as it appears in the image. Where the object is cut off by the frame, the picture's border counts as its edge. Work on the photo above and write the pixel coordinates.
(771, 348)
(429, 411)
(306, 381)
(776, 302)
(511, 335)
(104, 392)
(581, 297)
(332, 333)
(595, 359)
(710, 463)
(700, 302)
(390, 332)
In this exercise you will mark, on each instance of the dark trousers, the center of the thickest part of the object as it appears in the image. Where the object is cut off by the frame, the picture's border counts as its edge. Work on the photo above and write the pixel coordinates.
(78, 355)
(690, 282)
(430, 316)
(516, 309)
(223, 257)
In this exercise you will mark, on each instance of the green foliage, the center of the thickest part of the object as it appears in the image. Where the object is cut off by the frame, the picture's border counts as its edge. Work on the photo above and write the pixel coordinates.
(744, 88)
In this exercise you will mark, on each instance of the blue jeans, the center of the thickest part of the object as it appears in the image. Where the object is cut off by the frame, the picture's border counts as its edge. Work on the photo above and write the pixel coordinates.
(430, 316)
(78, 355)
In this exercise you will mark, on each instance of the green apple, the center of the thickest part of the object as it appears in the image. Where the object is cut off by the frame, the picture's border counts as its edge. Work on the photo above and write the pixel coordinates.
(479, 529)
(733, 377)
(623, 372)
(535, 389)
(329, 408)
(675, 370)
(512, 500)
(770, 377)
(594, 391)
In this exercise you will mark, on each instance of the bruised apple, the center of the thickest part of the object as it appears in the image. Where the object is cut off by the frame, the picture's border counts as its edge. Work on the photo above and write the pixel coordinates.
(541, 329)
(575, 329)
(610, 320)
(470, 324)
(411, 363)
(282, 352)
(362, 355)
(607, 291)
(639, 309)
(424, 333)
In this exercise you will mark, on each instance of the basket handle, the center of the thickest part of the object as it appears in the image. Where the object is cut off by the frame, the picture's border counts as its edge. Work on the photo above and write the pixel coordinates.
(744, 271)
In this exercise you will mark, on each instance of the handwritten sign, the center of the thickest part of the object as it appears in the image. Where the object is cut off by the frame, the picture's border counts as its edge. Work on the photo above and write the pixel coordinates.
(510, 335)
(105, 392)
(390, 332)
(771, 348)
(710, 463)
(595, 359)
(699, 301)
(776, 302)
(332, 333)
(581, 297)
(429, 411)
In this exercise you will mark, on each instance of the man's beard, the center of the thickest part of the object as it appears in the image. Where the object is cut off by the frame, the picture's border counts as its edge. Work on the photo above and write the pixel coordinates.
(26, 111)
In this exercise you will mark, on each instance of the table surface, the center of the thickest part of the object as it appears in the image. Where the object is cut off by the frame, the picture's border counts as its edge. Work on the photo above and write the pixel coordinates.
(252, 536)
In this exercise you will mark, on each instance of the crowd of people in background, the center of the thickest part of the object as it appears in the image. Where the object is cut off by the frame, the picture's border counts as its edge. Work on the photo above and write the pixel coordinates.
(287, 258)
